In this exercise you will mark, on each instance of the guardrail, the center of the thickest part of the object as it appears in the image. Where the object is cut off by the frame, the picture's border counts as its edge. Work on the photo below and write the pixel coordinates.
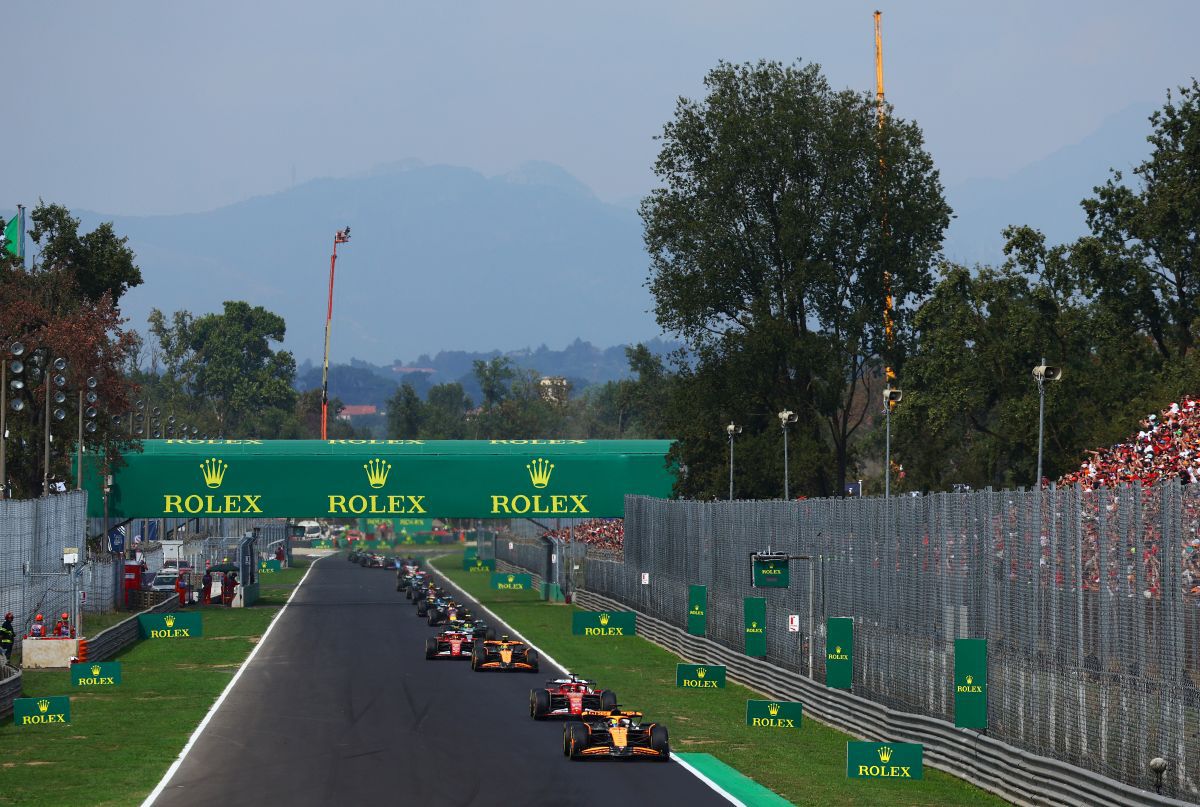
(110, 641)
(10, 689)
(1009, 772)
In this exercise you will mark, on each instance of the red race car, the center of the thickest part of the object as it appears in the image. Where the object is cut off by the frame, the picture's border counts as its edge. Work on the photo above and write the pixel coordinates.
(451, 643)
(569, 697)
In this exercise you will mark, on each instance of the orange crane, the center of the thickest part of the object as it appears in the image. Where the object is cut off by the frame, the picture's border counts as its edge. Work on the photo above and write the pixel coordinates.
(880, 112)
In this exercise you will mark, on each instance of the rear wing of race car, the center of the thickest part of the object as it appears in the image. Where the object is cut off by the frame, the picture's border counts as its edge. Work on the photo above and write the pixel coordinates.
(609, 713)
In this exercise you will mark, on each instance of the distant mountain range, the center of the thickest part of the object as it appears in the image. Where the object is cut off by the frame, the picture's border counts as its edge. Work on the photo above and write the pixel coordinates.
(441, 257)
(361, 382)
(444, 260)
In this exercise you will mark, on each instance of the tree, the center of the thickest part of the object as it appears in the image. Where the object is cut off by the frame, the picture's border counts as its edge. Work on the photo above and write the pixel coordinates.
(308, 419)
(769, 251)
(405, 413)
(99, 262)
(1142, 259)
(494, 377)
(46, 312)
(446, 413)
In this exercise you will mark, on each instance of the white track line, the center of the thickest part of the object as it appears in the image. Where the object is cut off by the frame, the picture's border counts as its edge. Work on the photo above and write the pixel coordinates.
(543, 654)
(157, 791)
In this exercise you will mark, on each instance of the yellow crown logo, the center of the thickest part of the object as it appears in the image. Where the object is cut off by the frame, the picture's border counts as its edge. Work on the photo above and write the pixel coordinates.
(377, 472)
(95, 669)
(43, 706)
(214, 471)
(539, 472)
(837, 649)
(701, 672)
(754, 624)
(885, 754)
(970, 679)
(773, 708)
(169, 620)
(604, 619)
(512, 577)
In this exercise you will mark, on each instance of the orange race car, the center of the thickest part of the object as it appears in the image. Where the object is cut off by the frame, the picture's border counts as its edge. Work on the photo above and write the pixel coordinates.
(615, 734)
(503, 654)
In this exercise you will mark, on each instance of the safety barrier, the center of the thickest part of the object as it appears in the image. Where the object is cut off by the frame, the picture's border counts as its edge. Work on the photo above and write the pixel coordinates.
(10, 689)
(1016, 775)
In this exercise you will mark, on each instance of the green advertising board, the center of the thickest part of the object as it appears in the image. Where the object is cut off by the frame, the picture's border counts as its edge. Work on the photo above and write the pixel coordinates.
(839, 653)
(771, 571)
(885, 760)
(381, 479)
(754, 612)
(269, 566)
(970, 683)
(700, 676)
(96, 674)
(469, 555)
(481, 566)
(697, 615)
(172, 625)
(44, 711)
(508, 581)
(774, 714)
(604, 623)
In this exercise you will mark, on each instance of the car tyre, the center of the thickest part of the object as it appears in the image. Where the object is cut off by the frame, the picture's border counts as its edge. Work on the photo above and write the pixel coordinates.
(478, 656)
(660, 741)
(539, 704)
(531, 658)
(432, 618)
(577, 735)
(608, 699)
(431, 648)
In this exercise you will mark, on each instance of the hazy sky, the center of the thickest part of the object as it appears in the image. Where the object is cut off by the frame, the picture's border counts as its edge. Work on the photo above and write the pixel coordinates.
(162, 107)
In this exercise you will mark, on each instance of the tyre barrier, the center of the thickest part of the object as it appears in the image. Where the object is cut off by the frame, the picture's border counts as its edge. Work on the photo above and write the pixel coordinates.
(1017, 775)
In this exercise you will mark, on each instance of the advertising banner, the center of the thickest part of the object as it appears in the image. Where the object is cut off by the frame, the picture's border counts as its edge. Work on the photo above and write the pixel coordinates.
(885, 760)
(268, 566)
(771, 571)
(839, 653)
(502, 581)
(774, 714)
(481, 566)
(697, 615)
(700, 676)
(970, 683)
(171, 626)
(754, 611)
(604, 623)
(42, 711)
(96, 674)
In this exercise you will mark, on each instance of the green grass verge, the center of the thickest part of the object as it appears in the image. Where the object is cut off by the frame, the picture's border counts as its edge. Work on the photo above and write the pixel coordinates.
(807, 767)
(121, 741)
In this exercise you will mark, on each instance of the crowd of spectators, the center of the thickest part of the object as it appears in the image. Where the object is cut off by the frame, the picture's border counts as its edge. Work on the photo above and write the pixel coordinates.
(602, 534)
(1166, 446)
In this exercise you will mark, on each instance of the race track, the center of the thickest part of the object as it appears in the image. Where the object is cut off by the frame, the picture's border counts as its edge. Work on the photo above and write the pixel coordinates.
(340, 707)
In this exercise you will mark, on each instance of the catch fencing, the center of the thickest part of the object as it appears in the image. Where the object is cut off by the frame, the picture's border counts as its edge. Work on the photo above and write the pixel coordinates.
(1085, 599)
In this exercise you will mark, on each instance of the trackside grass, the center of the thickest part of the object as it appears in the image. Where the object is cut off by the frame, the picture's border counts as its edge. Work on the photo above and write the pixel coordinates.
(121, 741)
(808, 767)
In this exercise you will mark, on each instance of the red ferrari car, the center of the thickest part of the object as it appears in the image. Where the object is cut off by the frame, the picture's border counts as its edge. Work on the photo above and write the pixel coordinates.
(569, 697)
(451, 643)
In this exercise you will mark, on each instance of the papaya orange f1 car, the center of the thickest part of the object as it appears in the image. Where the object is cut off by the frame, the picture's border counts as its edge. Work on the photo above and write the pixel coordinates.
(615, 734)
(503, 654)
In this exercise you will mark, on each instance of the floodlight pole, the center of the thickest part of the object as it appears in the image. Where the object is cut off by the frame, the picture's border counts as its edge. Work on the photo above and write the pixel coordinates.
(341, 237)
(1041, 382)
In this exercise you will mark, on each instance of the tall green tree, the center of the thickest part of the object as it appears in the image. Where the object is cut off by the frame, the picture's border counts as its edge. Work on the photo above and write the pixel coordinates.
(405, 413)
(769, 250)
(100, 262)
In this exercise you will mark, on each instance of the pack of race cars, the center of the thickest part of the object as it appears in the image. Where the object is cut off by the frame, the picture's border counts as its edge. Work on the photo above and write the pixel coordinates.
(596, 726)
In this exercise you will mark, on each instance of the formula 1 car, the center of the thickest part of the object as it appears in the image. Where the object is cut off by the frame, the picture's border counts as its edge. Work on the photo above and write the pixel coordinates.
(569, 697)
(615, 734)
(478, 628)
(453, 643)
(449, 613)
(434, 598)
(353, 556)
(503, 654)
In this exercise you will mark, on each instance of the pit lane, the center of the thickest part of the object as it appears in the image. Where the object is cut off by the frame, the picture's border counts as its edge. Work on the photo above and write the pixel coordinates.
(340, 707)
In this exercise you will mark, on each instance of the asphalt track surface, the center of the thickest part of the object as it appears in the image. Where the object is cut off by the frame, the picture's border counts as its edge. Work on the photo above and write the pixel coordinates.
(340, 707)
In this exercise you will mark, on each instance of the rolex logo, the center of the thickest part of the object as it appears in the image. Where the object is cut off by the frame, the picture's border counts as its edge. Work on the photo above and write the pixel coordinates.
(539, 472)
(838, 649)
(970, 680)
(214, 471)
(754, 624)
(773, 708)
(701, 672)
(885, 754)
(604, 619)
(43, 706)
(95, 669)
(377, 472)
(512, 577)
(169, 620)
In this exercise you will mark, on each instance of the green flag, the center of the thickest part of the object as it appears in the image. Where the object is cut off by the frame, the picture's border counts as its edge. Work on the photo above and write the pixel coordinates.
(12, 237)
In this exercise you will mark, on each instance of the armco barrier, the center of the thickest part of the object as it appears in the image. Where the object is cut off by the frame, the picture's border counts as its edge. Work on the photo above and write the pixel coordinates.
(1014, 774)
(10, 689)
(107, 643)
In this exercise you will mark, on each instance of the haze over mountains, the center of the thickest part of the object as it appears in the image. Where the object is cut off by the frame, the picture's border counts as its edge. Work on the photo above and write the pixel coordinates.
(445, 258)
